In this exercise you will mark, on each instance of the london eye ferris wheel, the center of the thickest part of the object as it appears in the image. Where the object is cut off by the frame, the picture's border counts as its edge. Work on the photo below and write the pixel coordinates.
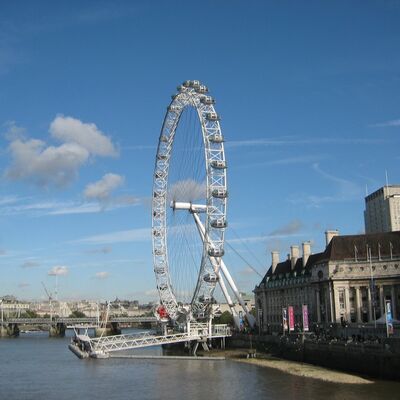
(189, 206)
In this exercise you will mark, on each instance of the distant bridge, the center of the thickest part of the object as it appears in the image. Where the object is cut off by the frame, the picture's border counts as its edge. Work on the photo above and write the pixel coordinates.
(76, 321)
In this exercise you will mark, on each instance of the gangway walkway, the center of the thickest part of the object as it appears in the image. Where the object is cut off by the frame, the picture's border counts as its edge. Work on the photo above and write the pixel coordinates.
(83, 346)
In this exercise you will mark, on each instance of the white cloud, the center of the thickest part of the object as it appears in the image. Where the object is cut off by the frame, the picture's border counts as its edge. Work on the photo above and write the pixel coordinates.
(58, 270)
(262, 238)
(133, 235)
(23, 285)
(37, 209)
(20, 206)
(284, 161)
(295, 141)
(45, 166)
(101, 275)
(247, 271)
(394, 122)
(187, 190)
(87, 135)
(74, 208)
(13, 131)
(4, 200)
(29, 264)
(101, 250)
(102, 189)
(88, 208)
(126, 200)
(345, 190)
(140, 147)
(290, 228)
(27, 208)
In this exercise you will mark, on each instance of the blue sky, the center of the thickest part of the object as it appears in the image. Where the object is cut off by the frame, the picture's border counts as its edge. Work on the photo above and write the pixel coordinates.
(310, 104)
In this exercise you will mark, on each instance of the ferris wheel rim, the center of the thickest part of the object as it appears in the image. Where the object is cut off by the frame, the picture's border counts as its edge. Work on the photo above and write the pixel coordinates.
(193, 94)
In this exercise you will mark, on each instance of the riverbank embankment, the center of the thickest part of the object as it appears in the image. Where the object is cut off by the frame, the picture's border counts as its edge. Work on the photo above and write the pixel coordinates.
(291, 367)
(375, 359)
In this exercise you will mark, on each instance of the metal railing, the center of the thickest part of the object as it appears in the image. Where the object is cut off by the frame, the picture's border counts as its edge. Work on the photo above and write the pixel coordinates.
(197, 331)
(127, 342)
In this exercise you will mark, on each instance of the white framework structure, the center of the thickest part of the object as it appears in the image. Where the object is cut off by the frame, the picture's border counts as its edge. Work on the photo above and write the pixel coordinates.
(212, 232)
(84, 346)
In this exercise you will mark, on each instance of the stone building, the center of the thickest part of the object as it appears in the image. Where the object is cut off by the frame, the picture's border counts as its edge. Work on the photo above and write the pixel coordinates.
(346, 283)
(382, 210)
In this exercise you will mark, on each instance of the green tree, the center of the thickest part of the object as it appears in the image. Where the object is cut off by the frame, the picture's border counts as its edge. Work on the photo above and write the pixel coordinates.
(77, 314)
(30, 314)
(224, 318)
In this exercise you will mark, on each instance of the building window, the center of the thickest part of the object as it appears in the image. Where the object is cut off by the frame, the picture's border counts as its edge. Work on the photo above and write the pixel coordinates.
(342, 301)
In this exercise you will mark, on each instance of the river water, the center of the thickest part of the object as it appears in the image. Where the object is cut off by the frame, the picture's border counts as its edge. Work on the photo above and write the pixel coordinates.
(34, 366)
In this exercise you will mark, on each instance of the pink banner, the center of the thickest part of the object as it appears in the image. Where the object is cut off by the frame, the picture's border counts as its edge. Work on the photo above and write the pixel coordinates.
(291, 318)
(305, 318)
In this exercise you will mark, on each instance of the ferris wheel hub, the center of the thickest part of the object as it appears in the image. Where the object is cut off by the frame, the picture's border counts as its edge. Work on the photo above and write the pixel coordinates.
(193, 208)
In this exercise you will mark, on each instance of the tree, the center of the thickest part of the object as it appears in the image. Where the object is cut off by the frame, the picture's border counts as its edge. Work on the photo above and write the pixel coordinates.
(224, 318)
(30, 314)
(77, 314)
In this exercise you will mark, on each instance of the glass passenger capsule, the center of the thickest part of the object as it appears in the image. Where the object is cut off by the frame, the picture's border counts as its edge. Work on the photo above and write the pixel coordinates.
(216, 252)
(159, 252)
(218, 164)
(212, 116)
(216, 138)
(207, 100)
(205, 299)
(201, 89)
(173, 108)
(210, 278)
(220, 193)
(219, 223)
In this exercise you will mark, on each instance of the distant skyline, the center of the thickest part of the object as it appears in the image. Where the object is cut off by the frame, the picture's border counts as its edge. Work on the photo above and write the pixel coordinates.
(309, 94)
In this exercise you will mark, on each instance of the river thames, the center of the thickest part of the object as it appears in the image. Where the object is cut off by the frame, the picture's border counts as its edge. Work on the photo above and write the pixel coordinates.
(34, 366)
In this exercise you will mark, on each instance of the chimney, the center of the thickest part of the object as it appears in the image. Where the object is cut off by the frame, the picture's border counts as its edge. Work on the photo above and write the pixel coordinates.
(294, 255)
(329, 235)
(306, 252)
(275, 260)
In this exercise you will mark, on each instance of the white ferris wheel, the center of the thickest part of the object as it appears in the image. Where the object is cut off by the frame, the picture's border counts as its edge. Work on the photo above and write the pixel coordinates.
(189, 210)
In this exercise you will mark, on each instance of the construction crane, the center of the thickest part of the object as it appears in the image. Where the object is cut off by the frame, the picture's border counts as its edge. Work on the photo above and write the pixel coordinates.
(49, 295)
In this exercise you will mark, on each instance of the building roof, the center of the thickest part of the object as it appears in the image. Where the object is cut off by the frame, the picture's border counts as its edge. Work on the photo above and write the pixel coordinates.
(346, 247)
(355, 247)
(381, 191)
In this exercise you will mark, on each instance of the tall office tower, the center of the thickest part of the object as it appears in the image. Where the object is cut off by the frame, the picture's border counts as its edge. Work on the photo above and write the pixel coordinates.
(382, 210)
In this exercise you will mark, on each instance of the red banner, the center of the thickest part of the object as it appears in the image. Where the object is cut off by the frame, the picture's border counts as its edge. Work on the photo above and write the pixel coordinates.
(291, 318)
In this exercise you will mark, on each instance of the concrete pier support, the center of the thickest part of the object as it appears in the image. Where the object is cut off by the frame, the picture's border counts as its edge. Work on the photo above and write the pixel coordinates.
(3, 331)
(102, 332)
(111, 329)
(9, 330)
(57, 330)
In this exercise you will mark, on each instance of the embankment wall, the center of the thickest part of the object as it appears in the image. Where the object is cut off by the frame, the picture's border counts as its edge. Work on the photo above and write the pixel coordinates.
(379, 360)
